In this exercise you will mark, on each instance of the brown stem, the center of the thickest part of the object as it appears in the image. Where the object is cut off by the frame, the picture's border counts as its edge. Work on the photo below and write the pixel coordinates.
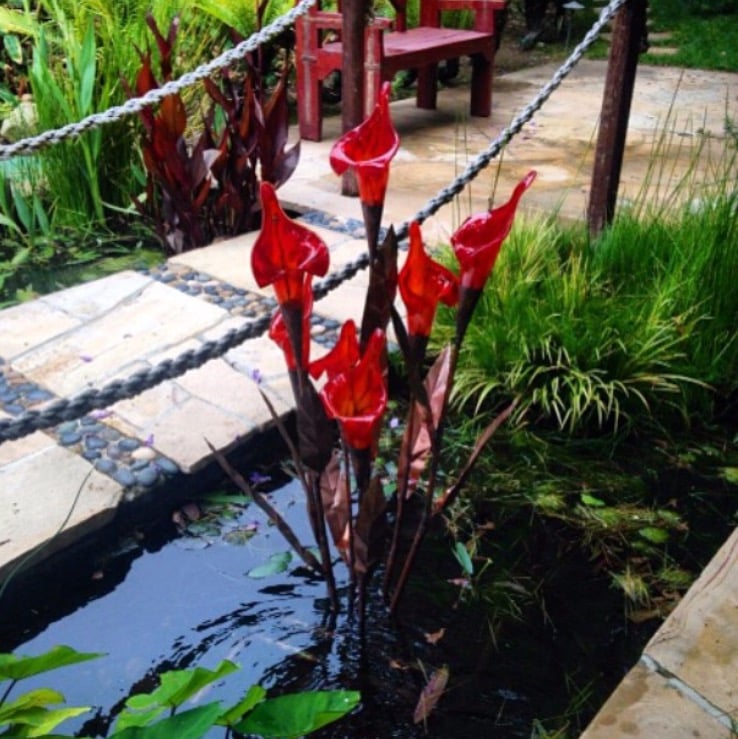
(437, 438)
(322, 537)
(350, 524)
(400, 508)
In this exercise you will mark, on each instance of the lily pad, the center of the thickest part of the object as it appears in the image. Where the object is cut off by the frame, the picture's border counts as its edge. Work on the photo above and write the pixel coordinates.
(277, 563)
(239, 536)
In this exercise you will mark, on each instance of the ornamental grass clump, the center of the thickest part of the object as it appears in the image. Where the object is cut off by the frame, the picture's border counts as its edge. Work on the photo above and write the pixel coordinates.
(339, 426)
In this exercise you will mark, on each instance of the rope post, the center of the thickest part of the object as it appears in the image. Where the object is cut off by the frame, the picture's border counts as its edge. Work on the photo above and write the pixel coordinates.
(628, 34)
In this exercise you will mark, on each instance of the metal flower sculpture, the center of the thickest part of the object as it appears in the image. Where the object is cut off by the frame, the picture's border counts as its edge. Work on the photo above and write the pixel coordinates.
(285, 252)
(423, 283)
(477, 244)
(357, 397)
(368, 150)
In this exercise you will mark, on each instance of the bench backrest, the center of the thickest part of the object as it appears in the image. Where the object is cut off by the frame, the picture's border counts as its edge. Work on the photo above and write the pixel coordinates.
(430, 12)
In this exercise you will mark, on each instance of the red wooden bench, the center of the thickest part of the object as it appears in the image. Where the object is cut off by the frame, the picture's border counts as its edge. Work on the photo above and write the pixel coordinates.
(391, 47)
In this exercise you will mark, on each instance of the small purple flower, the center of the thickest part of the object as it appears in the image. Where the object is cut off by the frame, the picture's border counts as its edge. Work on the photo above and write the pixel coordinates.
(256, 478)
(256, 375)
(394, 422)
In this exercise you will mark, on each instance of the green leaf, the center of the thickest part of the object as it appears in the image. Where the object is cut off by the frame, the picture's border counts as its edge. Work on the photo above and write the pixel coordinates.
(299, 713)
(462, 557)
(9, 223)
(591, 501)
(38, 721)
(253, 697)
(654, 534)
(40, 698)
(190, 724)
(86, 72)
(16, 667)
(227, 499)
(13, 21)
(131, 716)
(177, 686)
(277, 563)
(730, 474)
(13, 48)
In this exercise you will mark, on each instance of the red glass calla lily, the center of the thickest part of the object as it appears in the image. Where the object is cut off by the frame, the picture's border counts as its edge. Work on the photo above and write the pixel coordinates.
(280, 335)
(285, 251)
(357, 397)
(478, 240)
(343, 356)
(423, 282)
(369, 148)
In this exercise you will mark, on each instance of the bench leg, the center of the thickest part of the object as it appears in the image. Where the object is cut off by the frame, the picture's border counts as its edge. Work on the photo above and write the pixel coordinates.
(481, 86)
(309, 87)
(427, 87)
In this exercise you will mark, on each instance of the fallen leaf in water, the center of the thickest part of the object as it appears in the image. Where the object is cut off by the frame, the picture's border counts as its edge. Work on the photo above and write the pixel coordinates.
(435, 637)
(430, 694)
(396, 664)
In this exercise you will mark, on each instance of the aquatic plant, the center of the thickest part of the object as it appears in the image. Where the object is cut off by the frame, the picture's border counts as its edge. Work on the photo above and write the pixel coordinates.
(157, 715)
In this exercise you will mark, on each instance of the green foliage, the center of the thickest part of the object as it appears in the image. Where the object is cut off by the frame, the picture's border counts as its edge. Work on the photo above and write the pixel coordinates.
(31, 714)
(292, 716)
(635, 331)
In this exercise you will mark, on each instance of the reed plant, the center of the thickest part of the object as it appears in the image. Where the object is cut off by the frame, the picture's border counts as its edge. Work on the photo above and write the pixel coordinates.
(635, 330)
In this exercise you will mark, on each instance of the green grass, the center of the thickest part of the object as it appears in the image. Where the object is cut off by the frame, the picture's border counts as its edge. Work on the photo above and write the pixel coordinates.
(701, 43)
(634, 332)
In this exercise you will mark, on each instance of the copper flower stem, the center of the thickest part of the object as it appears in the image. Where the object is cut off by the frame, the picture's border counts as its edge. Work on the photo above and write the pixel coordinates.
(321, 536)
(349, 522)
(437, 439)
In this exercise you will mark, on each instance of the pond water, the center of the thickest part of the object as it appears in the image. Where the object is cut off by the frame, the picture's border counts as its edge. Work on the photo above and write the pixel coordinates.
(168, 598)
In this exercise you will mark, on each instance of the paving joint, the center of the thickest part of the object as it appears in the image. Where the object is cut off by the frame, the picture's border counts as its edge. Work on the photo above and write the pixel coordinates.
(688, 692)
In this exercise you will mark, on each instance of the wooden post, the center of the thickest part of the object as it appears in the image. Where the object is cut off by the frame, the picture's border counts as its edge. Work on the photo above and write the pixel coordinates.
(627, 37)
(355, 13)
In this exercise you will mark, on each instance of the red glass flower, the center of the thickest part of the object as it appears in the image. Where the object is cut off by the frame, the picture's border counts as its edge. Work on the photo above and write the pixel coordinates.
(343, 356)
(423, 282)
(357, 397)
(478, 240)
(369, 148)
(285, 251)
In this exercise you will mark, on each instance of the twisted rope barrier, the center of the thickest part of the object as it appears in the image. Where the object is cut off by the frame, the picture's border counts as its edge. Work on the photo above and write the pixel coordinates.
(30, 145)
(93, 399)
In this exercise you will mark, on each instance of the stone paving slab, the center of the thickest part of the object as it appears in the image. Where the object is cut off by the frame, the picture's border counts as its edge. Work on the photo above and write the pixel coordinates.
(685, 683)
(37, 493)
(646, 706)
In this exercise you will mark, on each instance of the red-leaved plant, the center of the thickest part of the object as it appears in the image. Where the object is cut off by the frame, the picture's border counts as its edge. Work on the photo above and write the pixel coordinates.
(338, 428)
(200, 187)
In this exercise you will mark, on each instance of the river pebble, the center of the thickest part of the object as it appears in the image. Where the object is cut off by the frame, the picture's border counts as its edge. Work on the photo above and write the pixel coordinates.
(147, 476)
(125, 477)
(144, 452)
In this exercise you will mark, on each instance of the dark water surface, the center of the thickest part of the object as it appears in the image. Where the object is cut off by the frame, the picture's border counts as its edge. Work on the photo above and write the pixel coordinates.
(162, 600)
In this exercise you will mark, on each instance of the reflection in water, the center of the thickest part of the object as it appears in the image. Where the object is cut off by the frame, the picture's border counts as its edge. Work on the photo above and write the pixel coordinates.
(172, 603)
